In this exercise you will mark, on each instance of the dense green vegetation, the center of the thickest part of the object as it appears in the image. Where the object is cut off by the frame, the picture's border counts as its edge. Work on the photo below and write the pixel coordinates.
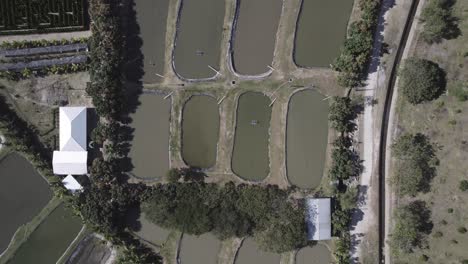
(265, 212)
(355, 54)
(421, 80)
(438, 21)
(412, 225)
(416, 163)
(25, 44)
(346, 165)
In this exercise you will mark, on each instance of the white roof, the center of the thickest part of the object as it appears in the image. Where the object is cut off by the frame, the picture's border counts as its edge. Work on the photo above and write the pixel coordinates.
(72, 128)
(318, 218)
(71, 184)
(70, 162)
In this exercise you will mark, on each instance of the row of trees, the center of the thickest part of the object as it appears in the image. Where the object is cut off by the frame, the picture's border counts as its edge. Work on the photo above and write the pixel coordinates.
(266, 212)
(106, 200)
(356, 51)
(345, 167)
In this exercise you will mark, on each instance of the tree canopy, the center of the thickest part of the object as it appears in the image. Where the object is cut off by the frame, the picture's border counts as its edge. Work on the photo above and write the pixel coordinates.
(421, 80)
(438, 21)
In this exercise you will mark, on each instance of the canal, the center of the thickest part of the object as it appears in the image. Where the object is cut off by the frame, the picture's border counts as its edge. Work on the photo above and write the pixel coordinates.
(23, 194)
(152, 19)
(50, 239)
(254, 36)
(306, 138)
(149, 151)
(199, 34)
(199, 250)
(250, 253)
(200, 130)
(250, 158)
(321, 31)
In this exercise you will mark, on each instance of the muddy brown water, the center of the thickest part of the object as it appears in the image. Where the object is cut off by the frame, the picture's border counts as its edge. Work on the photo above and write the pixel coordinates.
(23, 193)
(152, 19)
(250, 253)
(199, 35)
(200, 131)
(318, 254)
(250, 158)
(321, 31)
(306, 138)
(255, 35)
(150, 145)
(50, 239)
(199, 250)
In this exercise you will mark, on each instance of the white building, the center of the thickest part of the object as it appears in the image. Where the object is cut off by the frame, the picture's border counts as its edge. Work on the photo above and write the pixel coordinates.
(72, 157)
(318, 218)
(72, 184)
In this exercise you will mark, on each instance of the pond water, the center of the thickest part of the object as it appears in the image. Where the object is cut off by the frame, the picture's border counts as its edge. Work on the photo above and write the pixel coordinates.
(199, 37)
(250, 158)
(23, 193)
(255, 35)
(321, 30)
(199, 250)
(318, 254)
(250, 253)
(151, 232)
(150, 146)
(152, 19)
(50, 239)
(200, 131)
(306, 138)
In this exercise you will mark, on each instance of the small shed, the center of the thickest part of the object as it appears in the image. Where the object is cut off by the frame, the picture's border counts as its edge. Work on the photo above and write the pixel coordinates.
(318, 218)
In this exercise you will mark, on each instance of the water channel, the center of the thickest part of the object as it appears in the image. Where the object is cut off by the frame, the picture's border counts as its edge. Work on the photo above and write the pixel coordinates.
(50, 239)
(200, 131)
(152, 19)
(321, 31)
(255, 35)
(199, 250)
(250, 253)
(250, 158)
(150, 146)
(199, 35)
(318, 254)
(306, 138)
(23, 194)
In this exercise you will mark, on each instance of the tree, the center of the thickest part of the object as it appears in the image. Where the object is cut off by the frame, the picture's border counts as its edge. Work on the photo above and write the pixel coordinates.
(438, 21)
(412, 225)
(342, 114)
(463, 185)
(421, 80)
(173, 175)
(416, 163)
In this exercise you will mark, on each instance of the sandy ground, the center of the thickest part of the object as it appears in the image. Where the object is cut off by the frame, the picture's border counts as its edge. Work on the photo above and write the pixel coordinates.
(390, 198)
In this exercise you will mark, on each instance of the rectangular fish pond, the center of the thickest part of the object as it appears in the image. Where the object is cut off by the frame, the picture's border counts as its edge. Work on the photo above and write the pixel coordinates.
(149, 152)
(199, 250)
(199, 34)
(254, 35)
(151, 20)
(50, 239)
(200, 131)
(250, 158)
(306, 138)
(23, 194)
(250, 253)
(321, 31)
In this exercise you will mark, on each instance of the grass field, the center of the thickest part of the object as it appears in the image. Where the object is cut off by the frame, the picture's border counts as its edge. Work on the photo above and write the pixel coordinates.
(444, 121)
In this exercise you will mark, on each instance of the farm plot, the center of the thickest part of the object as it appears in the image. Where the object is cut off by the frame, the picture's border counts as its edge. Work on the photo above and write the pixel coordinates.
(28, 16)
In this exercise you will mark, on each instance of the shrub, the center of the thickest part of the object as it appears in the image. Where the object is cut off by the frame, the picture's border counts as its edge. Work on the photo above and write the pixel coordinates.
(438, 234)
(411, 226)
(424, 258)
(438, 21)
(450, 210)
(421, 80)
(461, 230)
(459, 90)
(463, 185)
(417, 160)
